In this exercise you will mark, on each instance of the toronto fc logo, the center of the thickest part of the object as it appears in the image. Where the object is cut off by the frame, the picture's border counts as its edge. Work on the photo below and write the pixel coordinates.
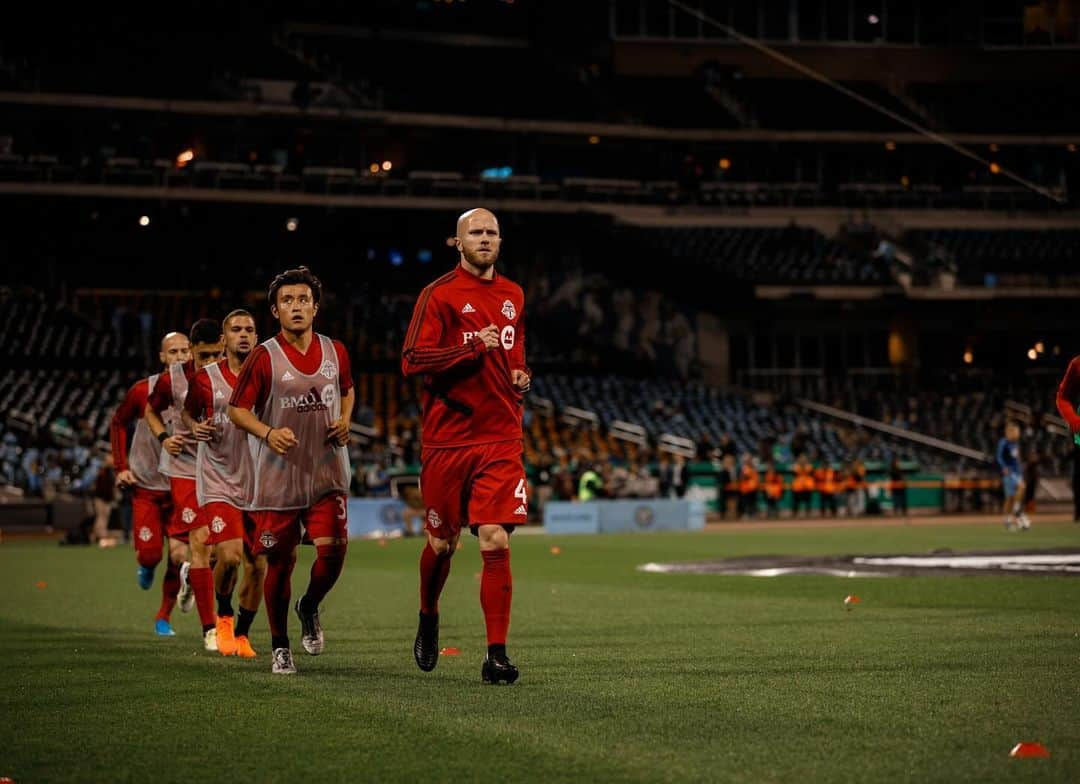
(267, 539)
(508, 310)
(328, 369)
(218, 525)
(188, 515)
(433, 518)
(145, 534)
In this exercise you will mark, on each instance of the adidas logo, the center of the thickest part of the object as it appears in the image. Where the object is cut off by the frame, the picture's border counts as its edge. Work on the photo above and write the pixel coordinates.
(468, 308)
(521, 510)
(288, 376)
(219, 395)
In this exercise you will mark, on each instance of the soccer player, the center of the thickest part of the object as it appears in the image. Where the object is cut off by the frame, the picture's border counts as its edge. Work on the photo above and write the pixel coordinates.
(163, 411)
(151, 502)
(223, 481)
(300, 382)
(467, 340)
(1068, 400)
(1012, 478)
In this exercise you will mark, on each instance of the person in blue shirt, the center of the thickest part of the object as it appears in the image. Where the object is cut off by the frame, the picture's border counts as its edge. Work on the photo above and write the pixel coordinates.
(1012, 478)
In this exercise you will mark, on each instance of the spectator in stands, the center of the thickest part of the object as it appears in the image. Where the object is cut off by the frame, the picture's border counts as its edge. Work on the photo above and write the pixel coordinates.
(680, 476)
(802, 485)
(591, 485)
(665, 475)
(104, 496)
(825, 482)
(748, 488)
(725, 482)
(856, 487)
(899, 487)
(774, 490)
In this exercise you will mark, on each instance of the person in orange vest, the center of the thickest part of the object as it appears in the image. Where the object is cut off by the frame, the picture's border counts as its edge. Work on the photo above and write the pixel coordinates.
(825, 477)
(774, 490)
(856, 486)
(748, 487)
(802, 485)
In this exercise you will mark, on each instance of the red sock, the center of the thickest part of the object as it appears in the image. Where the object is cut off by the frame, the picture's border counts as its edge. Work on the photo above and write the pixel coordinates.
(170, 587)
(202, 583)
(277, 591)
(496, 590)
(148, 557)
(329, 559)
(434, 569)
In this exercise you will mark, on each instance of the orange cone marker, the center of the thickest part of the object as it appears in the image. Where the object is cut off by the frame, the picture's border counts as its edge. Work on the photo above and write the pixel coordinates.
(1029, 750)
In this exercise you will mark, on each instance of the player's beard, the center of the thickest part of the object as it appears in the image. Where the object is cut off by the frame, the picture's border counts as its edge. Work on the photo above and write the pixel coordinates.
(241, 357)
(481, 261)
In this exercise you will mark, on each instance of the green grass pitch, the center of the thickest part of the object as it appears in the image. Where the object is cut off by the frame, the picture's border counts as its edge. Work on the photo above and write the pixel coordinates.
(626, 676)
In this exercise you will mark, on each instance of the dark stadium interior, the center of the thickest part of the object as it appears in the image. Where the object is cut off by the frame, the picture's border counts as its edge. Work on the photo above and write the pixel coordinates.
(705, 238)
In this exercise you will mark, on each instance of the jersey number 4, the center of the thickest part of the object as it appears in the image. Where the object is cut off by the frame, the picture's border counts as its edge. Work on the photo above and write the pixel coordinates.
(519, 492)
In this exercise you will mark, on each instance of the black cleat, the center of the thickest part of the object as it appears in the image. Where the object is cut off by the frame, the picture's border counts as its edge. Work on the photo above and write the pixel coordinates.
(426, 647)
(498, 668)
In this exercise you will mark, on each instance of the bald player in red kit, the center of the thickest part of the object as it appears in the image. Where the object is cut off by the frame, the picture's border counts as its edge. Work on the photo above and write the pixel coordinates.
(164, 410)
(139, 470)
(295, 396)
(467, 340)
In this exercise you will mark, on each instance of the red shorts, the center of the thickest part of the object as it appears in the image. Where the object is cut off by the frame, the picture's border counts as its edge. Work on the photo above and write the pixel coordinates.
(185, 517)
(150, 513)
(226, 523)
(279, 530)
(475, 485)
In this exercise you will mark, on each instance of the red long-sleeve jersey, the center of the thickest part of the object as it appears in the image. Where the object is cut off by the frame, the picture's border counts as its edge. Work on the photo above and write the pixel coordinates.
(1068, 395)
(469, 397)
(129, 411)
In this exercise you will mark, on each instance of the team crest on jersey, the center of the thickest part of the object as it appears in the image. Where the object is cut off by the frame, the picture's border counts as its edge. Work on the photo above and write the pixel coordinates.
(188, 515)
(433, 518)
(217, 525)
(145, 534)
(328, 369)
(508, 310)
(507, 336)
(267, 539)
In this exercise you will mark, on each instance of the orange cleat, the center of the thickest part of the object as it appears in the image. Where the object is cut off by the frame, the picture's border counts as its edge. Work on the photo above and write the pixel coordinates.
(244, 649)
(226, 643)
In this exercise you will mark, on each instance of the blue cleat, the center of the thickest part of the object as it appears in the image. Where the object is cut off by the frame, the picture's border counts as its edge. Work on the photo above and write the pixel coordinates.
(162, 628)
(146, 577)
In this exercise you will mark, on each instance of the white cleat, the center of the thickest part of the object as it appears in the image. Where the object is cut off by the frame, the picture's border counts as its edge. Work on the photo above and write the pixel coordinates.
(186, 597)
(209, 640)
(313, 639)
(1023, 521)
(283, 663)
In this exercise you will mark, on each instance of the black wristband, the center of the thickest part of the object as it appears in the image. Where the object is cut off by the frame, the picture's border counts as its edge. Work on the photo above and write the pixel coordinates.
(266, 438)
(163, 435)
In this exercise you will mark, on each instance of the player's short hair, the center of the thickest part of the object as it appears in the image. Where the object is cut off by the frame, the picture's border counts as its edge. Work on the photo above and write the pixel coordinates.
(205, 331)
(295, 277)
(238, 313)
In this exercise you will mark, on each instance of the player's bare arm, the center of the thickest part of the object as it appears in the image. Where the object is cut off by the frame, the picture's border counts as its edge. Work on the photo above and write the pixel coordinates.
(338, 432)
(280, 439)
(203, 430)
(174, 445)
